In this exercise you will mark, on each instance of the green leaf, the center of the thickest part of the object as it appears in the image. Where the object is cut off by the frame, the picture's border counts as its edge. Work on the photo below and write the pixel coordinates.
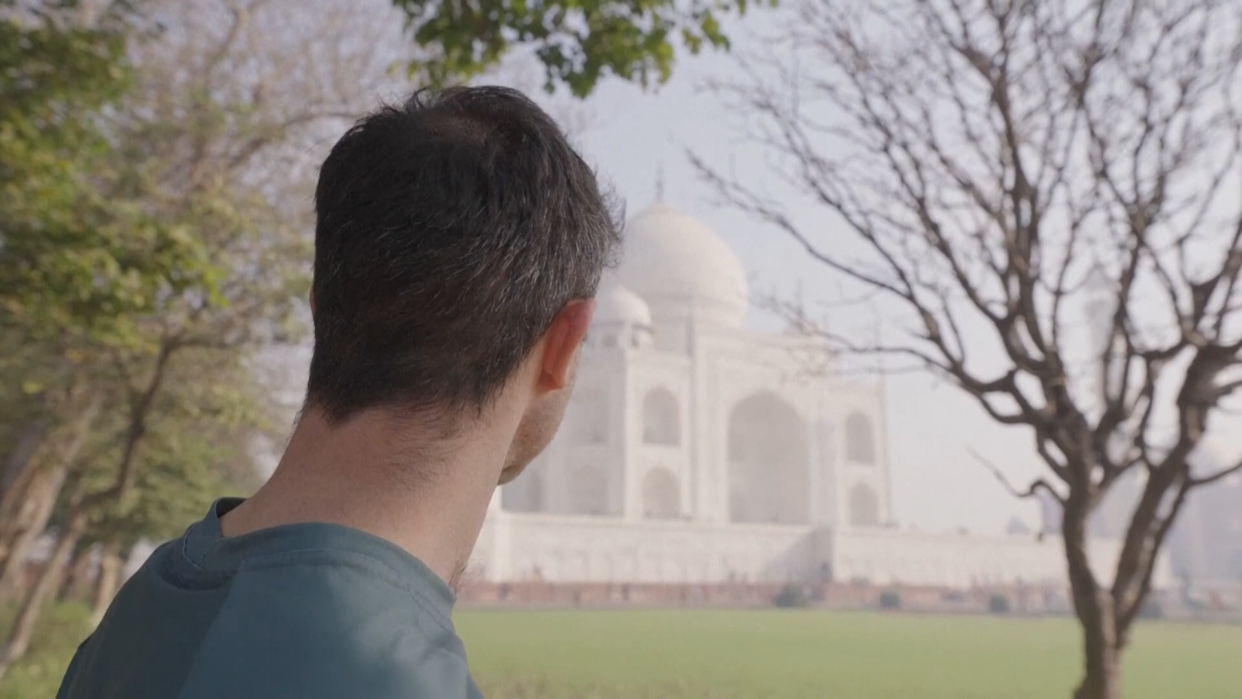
(579, 42)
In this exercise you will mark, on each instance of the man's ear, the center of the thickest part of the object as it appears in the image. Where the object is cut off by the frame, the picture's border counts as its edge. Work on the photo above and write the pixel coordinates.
(561, 343)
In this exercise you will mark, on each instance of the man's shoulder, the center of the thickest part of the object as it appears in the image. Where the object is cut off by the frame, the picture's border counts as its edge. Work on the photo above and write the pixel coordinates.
(337, 589)
(314, 625)
(334, 586)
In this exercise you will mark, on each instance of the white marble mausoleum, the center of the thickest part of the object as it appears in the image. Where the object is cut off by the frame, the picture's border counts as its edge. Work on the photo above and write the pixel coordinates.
(698, 450)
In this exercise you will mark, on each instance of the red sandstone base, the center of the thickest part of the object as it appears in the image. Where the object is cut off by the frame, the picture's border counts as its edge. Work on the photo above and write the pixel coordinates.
(1021, 600)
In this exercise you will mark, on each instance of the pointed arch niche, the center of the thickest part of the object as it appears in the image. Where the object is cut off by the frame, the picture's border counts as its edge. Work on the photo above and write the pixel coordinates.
(768, 465)
(661, 495)
(588, 491)
(864, 506)
(859, 439)
(661, 418)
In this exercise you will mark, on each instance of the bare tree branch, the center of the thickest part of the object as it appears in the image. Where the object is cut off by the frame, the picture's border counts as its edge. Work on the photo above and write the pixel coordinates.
(1033, 490)
(994, 170)
(1220, 475)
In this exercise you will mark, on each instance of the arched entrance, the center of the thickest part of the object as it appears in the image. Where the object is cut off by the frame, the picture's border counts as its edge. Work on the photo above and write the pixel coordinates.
(661, 418)
(661, 495)
(864, 506)
(588, 491)
(859, 439)
(768, 466)
(588, 417)
(524, 493)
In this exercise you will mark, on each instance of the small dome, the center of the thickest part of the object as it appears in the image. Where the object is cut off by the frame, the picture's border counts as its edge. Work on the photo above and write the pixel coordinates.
(683, 269)
(616, 304)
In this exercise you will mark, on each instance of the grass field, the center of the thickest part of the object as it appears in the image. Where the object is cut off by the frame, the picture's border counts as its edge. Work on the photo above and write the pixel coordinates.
(718, 654)
(752, 655)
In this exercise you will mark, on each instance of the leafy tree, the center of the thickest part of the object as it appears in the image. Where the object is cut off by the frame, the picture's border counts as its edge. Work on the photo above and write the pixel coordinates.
(578, 42)
(195, 450)
(73, 257)
(76, 264)
(193, 152)
(124, 214)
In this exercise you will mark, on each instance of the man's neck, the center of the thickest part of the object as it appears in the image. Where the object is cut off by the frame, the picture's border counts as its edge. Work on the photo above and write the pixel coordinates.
(380, 475)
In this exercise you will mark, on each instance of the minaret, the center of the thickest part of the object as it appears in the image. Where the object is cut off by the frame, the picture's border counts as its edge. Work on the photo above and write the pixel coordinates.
(1112, 516)
(881, 446)
(660, 184)
(1099, 309)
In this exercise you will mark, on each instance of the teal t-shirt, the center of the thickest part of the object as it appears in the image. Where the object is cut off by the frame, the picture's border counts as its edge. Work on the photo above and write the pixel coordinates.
(312, 611)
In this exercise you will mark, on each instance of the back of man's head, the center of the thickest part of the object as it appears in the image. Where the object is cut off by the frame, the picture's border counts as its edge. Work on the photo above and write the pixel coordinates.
(450, 232)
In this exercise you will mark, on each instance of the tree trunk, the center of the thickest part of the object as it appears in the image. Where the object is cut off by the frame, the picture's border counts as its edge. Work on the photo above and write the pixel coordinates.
(13, 504)
(1102, 676)
(44, 589)
(111, 566)
(1094, 609)
(80, 583)
(30, 438)
(30, 508)
(29, 523)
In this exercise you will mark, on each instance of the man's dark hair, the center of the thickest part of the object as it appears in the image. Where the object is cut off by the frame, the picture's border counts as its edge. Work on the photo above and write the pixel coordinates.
(450, 231)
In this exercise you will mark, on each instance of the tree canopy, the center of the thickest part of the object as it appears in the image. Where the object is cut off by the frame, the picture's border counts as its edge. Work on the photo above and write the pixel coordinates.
(578, 41)
(76, 258)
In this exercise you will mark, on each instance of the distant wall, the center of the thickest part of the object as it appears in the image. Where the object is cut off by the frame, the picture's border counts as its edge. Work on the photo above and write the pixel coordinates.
(535, 595)
(552, 548)
(961, 561)
(615, 595)
(536, 547)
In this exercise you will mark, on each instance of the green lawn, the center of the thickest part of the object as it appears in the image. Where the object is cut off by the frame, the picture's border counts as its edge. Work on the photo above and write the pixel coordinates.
(752, 654)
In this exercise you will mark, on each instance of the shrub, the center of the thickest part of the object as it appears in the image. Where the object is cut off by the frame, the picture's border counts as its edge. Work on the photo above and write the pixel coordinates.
(1151, 609)
(998, 604)
(890, 599)
(792, 596)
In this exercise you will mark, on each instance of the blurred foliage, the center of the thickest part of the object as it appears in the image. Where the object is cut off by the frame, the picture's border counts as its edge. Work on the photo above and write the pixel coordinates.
(144, 257)
(85, 259)
(998, 604)
(78, 258)
(793, 596)
(140, 256)
(578, 41)
(51, 649)
(193, 451)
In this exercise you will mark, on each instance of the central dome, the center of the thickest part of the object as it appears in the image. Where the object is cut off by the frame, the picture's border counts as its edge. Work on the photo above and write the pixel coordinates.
(682, 269)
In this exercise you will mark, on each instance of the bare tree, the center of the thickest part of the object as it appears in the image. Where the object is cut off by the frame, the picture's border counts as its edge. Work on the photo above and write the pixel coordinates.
(980, 161)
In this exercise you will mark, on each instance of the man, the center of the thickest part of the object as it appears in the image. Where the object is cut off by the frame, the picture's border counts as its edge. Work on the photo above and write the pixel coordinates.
(458, 244)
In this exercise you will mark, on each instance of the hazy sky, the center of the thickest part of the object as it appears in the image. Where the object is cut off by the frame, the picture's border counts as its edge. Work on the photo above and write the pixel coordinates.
(937, 484)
